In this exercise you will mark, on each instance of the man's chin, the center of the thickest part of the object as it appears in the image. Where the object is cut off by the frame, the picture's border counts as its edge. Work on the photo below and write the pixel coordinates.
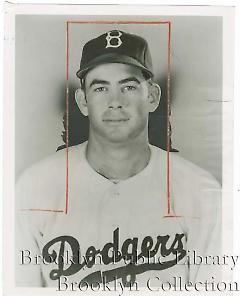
(118, 135)
(117, 139)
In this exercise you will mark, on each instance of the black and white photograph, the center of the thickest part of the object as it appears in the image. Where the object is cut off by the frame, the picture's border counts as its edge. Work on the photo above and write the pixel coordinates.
(119, 139)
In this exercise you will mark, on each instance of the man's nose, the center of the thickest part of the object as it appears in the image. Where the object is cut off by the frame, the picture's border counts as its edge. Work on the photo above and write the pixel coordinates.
(116, 99)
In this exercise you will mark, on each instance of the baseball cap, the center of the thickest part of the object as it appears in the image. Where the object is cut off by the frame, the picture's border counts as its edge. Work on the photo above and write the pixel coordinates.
(116, 47)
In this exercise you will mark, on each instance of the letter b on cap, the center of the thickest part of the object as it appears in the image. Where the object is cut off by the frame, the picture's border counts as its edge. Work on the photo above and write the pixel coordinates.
(113, 35)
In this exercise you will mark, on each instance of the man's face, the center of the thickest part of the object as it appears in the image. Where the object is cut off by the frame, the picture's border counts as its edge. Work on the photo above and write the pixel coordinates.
(117, 102)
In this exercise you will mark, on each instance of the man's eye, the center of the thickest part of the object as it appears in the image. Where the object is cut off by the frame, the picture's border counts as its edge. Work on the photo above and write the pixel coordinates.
(129, 87)
(100, 89)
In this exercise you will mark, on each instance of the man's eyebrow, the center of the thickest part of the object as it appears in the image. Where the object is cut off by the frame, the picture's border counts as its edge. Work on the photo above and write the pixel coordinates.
(98, 81)
(129, 79)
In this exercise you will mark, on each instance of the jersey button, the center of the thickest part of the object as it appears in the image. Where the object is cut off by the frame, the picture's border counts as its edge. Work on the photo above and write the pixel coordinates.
(115, 193)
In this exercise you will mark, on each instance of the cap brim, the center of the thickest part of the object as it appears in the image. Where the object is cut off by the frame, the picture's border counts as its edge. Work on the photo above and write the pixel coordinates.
(112, 58)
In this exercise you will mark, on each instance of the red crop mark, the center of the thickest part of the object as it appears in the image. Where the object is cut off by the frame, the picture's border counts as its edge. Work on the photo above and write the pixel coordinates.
(118, 22)
(67, 113)
(168, 115)
(172, 216)
(169, 210)
(168, 23)
(43, 210)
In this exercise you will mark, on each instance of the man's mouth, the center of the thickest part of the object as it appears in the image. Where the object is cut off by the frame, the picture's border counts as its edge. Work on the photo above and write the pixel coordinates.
(115, 120)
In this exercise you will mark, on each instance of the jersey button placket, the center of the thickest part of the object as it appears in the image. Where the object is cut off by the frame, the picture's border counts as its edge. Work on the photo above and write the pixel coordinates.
(114, 196)
(115, 192)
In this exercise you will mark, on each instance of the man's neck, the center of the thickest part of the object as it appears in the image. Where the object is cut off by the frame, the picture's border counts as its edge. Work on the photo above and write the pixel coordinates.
(115, 161)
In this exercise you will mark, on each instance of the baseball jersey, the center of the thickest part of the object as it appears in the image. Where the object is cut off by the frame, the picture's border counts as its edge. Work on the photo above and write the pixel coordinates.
(114, 230)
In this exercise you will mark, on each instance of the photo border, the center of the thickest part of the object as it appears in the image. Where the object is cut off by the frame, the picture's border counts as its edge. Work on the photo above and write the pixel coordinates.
(8, 177)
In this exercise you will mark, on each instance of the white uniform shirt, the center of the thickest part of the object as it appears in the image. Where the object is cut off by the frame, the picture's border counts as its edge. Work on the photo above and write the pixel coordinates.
(102, 216)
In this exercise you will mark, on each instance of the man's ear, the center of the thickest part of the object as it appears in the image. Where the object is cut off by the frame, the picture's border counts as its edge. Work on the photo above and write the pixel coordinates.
(81, 101)
(154, 96)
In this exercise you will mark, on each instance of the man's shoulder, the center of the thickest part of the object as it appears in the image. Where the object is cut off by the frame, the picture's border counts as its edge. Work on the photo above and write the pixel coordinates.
(193, 190)
(55, 163)
(191, 171)
(181, 168)
(51, 171)
(41, 184)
